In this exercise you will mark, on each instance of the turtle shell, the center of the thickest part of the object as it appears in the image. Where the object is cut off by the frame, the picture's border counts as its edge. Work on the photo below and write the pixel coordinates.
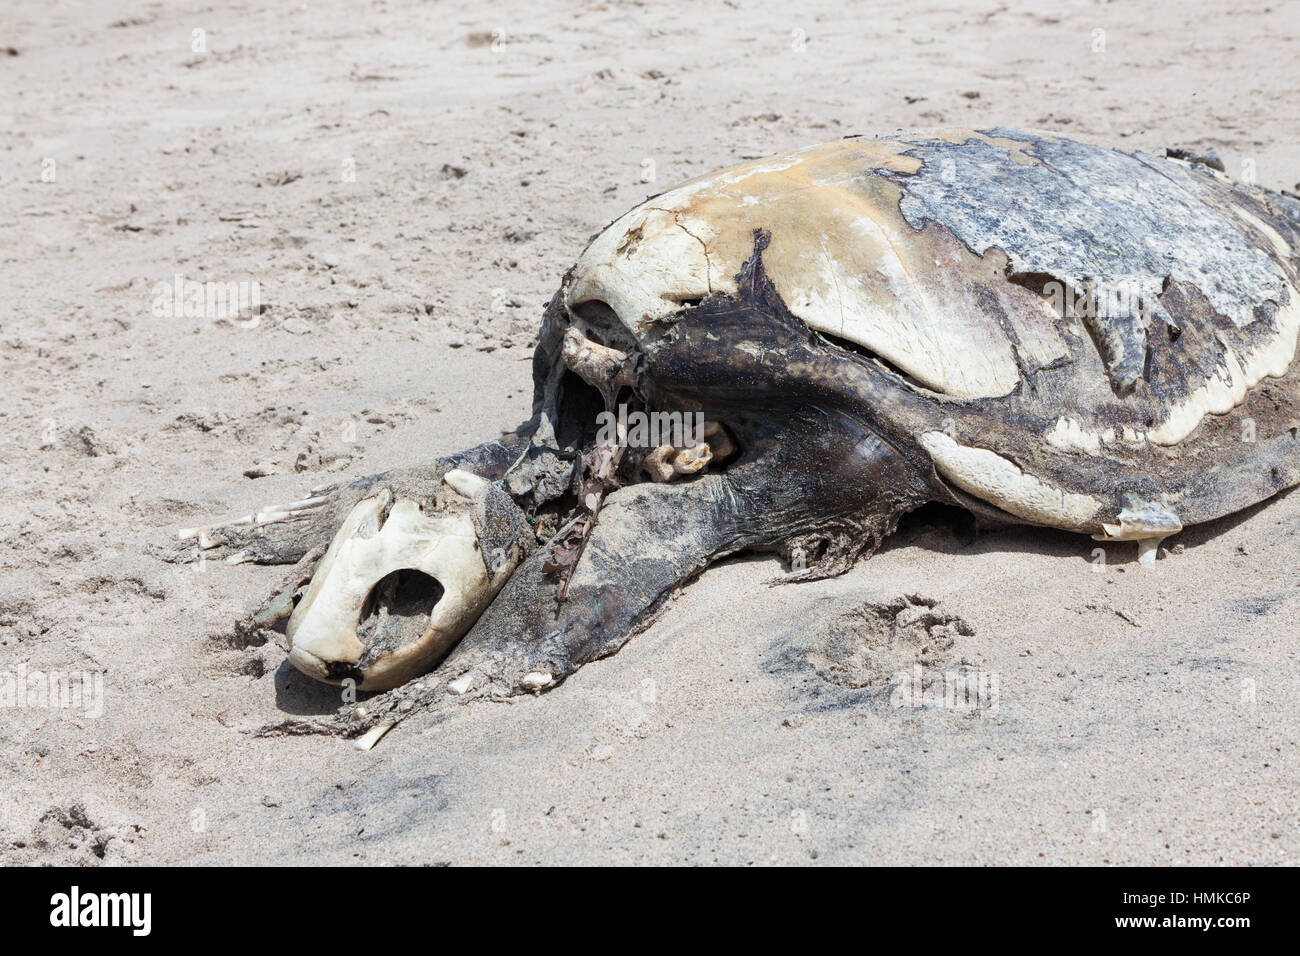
(1076, 335)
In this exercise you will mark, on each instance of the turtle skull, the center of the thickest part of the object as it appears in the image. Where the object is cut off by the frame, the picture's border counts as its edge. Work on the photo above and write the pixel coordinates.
(398, 587)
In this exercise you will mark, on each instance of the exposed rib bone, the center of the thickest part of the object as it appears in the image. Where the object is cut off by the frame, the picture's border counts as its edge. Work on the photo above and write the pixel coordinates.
(372, 736)
(308, 503)
(293, 509)
(274, 514)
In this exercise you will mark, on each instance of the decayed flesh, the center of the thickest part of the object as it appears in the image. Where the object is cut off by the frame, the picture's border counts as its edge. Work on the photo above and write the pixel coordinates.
(866, 327)
(949, 260)
(781, 474)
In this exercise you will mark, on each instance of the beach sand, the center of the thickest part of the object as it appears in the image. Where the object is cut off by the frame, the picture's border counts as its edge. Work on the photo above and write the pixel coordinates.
(407, 182)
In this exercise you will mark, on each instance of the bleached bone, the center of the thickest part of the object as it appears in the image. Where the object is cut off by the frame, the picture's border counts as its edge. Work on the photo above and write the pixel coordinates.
(465, 483)
(690, 461)
(374, 541)
(659, 463)
(267, 515)
(461, 684)
(372, 736)
(601, 367)
(1146, 522)
(666, 462)
(1148, 548)
(536, 681)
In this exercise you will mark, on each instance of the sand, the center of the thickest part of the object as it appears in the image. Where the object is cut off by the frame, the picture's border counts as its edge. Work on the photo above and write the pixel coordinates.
(407, 182)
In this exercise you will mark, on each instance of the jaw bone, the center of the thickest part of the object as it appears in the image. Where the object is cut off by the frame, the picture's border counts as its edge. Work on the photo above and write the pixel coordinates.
(397, 587)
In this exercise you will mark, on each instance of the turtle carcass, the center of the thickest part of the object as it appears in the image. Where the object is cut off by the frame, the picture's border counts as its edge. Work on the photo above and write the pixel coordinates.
(1033, 328)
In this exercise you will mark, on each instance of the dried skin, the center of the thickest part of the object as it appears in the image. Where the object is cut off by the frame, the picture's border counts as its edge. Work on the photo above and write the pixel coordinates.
(875, 323)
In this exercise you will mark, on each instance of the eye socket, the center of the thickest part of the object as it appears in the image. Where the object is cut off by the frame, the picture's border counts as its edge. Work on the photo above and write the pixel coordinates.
(403, 593)
(397, 611)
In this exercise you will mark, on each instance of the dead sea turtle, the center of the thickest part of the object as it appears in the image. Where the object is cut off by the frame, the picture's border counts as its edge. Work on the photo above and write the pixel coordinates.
(1036, 329)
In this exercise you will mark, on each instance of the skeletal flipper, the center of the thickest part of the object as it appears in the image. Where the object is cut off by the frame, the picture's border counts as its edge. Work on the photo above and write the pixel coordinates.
(1036, 329)
(282, 533)
(273, 534)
